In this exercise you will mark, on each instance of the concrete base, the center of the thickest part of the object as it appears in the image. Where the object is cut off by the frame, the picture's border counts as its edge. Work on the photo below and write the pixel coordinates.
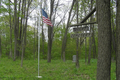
(39, 76)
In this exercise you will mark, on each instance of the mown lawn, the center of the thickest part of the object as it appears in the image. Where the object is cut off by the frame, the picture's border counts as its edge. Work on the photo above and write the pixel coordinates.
(56, 70)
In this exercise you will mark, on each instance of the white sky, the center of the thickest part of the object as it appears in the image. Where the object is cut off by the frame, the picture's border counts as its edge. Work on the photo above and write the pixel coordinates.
(33, 14)
(31, 21)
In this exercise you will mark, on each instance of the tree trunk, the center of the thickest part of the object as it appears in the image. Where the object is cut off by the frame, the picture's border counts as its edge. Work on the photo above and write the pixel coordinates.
(50, 29)
(11, 43)
(0, 47)
(118, 41)
(0, 36)
(90, 39)
(21, 27)
(85, 37)
(90, 47)
(15, 28)
(37, 36)
(65, 35)
(77, 53)
(77, 41)
(34, 46)
(113, 33)
(25, 25)
(43, 37)
(43, 42)
(49, 44)
(50, 33)
(10, 54)
(25, 31)
(18, 39)
(104, 40)
(94, 44)
(22, 52)
(85, 49)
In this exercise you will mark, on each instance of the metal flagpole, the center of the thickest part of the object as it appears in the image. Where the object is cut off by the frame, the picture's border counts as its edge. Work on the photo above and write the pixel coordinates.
(39, 43)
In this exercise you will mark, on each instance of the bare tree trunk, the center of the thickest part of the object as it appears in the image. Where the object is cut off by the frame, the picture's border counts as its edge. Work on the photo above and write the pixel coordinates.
(85, 49)
(34, 51)
(15, 28)
(25, 30)
(25, 25)
(50, 33)
(0, 36)
(85, 37)
(94, 44)
(104, 40)
(90, 47)
(50, 29)
(90, 39)
(65, 35)
(43, 42)
(118, 41)
(0, 47)
(10, 54)
(113, 33)
(53, 7)
(43, 37)
(22, 52)
(21, 26)
(77, 41)
(11, 43)
(77, 53)
(49, 44)
(18, 39)
(37, 36)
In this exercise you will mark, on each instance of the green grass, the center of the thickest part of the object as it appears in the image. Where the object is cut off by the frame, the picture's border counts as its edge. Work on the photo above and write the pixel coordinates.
(56, 70)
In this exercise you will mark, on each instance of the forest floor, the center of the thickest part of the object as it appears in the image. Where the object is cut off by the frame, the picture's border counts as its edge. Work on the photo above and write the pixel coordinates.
(56, 70)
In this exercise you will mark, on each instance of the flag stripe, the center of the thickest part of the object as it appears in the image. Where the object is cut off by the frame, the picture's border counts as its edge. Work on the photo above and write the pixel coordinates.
(45, 18)
(47, 21)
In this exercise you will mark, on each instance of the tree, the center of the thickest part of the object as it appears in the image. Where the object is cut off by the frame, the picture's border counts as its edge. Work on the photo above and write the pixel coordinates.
(77, 41)
(118, 41)
(50, 32)
(27, 6)
(43, 37)
(113, 29)
(85, 32)
(54, 6)
(0, 47)
(90, 39)
(104, 40)
(65, 34)
(15, 28)
(0, 35)
(94, 44)
(10, 22)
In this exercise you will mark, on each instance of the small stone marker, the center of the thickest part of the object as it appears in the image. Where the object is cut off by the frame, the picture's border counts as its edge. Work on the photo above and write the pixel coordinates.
(74, 58)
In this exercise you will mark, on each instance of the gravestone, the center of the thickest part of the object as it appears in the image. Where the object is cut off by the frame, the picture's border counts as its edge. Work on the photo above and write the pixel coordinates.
(74, 58)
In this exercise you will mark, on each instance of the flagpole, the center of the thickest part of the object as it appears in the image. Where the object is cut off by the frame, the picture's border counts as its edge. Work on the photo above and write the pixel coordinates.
(39, 43)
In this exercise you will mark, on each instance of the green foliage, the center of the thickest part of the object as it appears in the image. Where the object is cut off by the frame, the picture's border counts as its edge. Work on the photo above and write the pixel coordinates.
(56, 46)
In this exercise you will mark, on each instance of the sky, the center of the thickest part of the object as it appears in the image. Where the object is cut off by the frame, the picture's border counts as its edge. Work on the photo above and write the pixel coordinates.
(31, 20)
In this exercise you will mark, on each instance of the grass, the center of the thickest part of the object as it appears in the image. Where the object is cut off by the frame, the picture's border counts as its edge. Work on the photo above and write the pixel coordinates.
(56, 70)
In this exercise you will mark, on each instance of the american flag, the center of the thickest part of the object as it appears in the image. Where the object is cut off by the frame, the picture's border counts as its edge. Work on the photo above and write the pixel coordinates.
(45, 18)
